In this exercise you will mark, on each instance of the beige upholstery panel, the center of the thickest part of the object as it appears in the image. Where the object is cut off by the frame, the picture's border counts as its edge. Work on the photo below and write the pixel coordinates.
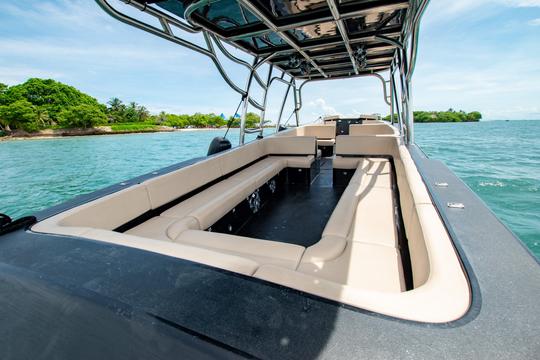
(377, 166)
(168, 187)
(299, 145)
(155, 228)
(178, 227)
(320, 131)
(108, 212)
(342, 162)
(181, 251)
(366, 145)
(262, 171)
(328, 248)
(326, 142)
(378, 174)
(435, 302)
(374, 221)
(220, 203)
(186, 207)
(417, 249)
(261, 251)
(240, 156)
(365, 266)
(50, 226)
(372, 129)
(443, 261)
(290, 132)
(299, 161)
(416, 184)
(340, 221)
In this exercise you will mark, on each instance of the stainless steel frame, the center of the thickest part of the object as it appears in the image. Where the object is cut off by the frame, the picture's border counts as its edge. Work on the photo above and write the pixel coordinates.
(403, 61)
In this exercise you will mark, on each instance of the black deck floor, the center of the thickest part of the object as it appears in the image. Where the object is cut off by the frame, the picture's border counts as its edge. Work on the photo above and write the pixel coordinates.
(300, 214)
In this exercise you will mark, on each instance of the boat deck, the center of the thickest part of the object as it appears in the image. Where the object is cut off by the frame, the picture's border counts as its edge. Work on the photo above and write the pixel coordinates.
(299, 214)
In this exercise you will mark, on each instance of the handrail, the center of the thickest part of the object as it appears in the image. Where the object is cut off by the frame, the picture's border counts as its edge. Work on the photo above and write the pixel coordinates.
(377, 75)
(415, 36)
(236, 59)
(158, 13)
(224, 74)
(168, 35)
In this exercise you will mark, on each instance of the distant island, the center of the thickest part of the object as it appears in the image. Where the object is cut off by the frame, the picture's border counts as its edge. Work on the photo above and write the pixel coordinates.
(444, 116)
(45, 107)
(48, 107)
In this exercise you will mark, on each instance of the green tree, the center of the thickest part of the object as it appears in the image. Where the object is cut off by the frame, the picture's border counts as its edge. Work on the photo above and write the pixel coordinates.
(142, 113)
(162, 117)
(42, 117)
(49, 95)
(252, 120)
(474, 116)
(82, 116)
(20, 114)
(116, 110)
(115, 104)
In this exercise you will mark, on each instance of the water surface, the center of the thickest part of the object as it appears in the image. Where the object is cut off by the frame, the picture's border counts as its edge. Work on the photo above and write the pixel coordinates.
(499, 160)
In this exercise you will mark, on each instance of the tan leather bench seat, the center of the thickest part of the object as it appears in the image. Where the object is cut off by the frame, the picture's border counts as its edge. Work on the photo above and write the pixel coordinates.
(372, 129)
(360, 234)
(260, 251)
(355, 262)
(156, 228)
(202, 210)
(197, 254)
(361, 265)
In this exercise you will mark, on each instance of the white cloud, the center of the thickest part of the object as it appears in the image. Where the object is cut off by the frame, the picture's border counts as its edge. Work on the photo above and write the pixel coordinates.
(72, 13)
(321, 108)
(534, 22)
(12, 75)
(52, 49)
(446, 10)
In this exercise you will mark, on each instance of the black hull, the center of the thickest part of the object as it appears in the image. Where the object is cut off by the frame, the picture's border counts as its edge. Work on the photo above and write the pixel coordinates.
(68, 297)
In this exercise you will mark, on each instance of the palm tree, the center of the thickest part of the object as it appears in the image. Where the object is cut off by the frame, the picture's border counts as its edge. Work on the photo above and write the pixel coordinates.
(115, 104)
(142, 113)
(42, 116)
(162, 117)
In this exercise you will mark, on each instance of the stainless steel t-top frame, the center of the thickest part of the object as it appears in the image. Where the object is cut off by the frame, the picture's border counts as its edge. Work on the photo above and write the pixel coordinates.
(402, 61)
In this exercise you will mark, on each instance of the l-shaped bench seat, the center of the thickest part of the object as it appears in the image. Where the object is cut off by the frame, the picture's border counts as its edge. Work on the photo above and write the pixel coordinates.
(203, 209)
(357, 260)
(229, 178)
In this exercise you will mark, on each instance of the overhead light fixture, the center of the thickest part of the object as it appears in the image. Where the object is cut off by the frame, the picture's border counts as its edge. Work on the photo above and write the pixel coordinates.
(294, 62)
(305, 69)
(361, 56)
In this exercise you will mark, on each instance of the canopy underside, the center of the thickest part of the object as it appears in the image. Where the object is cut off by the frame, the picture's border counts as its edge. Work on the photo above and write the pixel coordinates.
(309, 39)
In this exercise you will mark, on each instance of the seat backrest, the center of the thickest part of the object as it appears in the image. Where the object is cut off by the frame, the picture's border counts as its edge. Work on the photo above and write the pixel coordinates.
(371, 129)
(240, 156)
(320, 131)
(366, 145)
(168, 187)
(109, 212)
(290, 132)
(295, 145)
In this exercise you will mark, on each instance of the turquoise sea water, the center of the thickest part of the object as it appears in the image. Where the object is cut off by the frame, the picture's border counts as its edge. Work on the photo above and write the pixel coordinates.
(499, 160)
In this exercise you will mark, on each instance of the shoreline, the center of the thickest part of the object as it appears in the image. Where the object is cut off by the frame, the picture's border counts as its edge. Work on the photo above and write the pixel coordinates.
(99, 131)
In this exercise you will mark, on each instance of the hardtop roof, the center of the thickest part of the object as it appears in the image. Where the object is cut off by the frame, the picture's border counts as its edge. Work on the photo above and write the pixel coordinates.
(309, 39)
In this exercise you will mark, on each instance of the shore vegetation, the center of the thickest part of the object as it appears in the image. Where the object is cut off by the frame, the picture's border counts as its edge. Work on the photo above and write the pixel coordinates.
(42, 104)
(445, 116)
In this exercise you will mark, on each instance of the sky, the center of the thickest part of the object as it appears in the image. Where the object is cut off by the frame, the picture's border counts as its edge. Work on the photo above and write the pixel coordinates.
(474, 55)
